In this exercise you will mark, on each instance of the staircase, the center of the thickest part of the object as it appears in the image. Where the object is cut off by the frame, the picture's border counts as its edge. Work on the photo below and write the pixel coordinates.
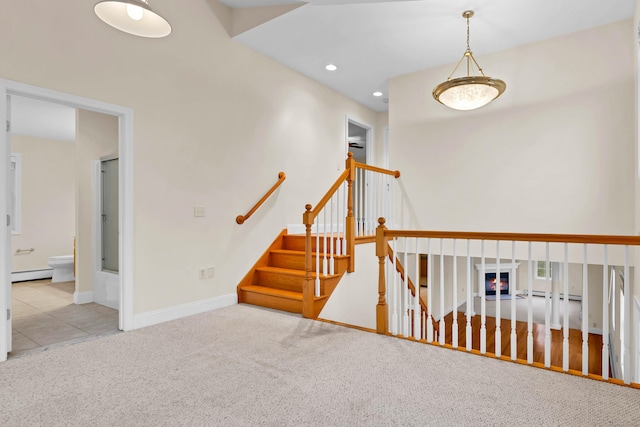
(276, 280)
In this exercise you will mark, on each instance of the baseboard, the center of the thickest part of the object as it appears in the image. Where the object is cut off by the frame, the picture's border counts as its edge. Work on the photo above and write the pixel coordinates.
(82, 297)
(450, 310)
(184, 310)
(23, 276)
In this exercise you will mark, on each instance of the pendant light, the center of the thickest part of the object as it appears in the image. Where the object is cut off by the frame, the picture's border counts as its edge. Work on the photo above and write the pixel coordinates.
(133, 17)
(472, 91)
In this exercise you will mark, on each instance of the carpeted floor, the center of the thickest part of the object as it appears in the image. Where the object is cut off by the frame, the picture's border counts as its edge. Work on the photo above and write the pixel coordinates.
(243, 366)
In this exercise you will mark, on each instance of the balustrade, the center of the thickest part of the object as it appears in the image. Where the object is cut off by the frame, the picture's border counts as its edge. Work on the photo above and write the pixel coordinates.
(517, 322)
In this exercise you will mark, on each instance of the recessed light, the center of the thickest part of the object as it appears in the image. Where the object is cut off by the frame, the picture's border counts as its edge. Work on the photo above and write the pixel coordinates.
(377, 93)
(331, 67)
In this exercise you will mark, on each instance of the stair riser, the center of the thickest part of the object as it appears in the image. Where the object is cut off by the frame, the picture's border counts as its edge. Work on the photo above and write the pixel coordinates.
(280, 281)
(296, 262)
(297, 243)
(269, 301)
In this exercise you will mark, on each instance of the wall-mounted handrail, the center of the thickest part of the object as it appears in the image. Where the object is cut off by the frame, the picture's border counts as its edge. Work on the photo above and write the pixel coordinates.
(240, 219)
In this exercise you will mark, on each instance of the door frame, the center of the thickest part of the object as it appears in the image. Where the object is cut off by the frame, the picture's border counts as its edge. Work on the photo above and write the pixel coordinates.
(125, 176)
(369, 145)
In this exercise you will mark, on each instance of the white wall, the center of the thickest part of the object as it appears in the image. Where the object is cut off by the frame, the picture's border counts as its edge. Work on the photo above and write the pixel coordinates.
(354, 300)
(554, 154)
(214, 123)
(48, 201)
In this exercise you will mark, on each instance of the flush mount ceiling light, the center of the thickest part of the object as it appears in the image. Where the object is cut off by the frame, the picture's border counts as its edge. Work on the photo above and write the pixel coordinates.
(472, 91)
(133, 17)
(331, 67)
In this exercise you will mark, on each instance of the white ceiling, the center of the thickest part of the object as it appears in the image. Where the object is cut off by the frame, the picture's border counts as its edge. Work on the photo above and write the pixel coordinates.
(371, 41)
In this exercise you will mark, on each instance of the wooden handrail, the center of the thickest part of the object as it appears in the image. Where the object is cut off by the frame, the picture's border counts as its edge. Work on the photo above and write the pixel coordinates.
(328, 195)
(240, 219)
(395, 174)
(518, 237)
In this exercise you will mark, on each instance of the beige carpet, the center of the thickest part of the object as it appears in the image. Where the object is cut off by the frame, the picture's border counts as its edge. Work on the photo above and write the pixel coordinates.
(243, 366)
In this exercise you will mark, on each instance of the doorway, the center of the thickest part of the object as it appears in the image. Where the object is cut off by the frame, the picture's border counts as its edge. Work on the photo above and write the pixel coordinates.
(124, 117)
(359, 136)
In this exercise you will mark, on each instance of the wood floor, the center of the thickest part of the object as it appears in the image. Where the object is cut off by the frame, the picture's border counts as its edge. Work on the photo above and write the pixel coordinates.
(575, 342)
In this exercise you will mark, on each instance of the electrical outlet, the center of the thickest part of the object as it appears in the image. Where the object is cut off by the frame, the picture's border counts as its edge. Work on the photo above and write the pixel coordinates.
(199, 211)
(209, 272)
(203, 273)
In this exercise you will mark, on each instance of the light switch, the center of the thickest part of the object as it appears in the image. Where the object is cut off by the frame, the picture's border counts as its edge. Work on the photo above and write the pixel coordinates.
(199, 211)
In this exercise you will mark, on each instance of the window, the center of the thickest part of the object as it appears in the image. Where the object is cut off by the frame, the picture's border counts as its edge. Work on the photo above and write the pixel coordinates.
(543, 270)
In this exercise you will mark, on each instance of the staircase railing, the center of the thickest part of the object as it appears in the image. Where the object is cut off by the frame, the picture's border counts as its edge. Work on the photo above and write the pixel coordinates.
(359, 188)
(240, 219)
(566, 336)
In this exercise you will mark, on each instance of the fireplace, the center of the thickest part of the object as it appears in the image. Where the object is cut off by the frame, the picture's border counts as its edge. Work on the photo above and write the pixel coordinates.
(491, 284)
(507, 276)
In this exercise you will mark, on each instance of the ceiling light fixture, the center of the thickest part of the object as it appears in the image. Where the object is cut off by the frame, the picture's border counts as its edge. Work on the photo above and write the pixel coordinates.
(331, 67)
(133, 17)
(472, 91)
(377, 93)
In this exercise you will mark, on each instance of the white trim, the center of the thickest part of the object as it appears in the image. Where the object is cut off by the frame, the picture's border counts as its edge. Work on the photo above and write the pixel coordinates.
(125, 150)
(16, 214)
(369, 158)
(385, 149)
(23, 276)
(450, 310)
(179, 311)
(82, 297)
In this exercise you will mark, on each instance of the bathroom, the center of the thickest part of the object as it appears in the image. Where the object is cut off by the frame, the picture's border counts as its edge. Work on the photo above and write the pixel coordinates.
(59, 158)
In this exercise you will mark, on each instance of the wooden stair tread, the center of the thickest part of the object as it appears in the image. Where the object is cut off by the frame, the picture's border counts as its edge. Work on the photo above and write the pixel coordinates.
(273, 291)
(292, 272)
(295, 252)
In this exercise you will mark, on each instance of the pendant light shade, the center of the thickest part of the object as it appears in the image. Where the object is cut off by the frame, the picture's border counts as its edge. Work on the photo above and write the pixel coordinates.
(472, 91)
(133, 17)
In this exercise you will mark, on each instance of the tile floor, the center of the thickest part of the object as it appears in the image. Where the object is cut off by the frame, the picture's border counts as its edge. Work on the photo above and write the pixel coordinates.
(44, 315)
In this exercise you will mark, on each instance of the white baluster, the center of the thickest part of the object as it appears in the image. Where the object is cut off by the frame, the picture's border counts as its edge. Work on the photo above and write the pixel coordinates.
(585, 314)
(454, 325)
(565, 330)
(429, 293)
(394, 318)
(483, 303)
(513, 287)
(441, 328)
(339, 218)
(530, 311)
(547, 329)
(317, 251)
(356, 202)
(417, 333)
(498, 333)
(605, 315)
(405, 289)
(331, 240)
(325, 260)
(469, 330)
(626, 321)
(390, 293)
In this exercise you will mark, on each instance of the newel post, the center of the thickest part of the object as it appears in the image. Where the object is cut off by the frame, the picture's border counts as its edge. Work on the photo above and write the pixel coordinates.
(351, 223)
(308, 288)
(382, 313)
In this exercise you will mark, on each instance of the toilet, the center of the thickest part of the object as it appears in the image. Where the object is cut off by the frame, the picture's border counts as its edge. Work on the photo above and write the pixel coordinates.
(62, 268)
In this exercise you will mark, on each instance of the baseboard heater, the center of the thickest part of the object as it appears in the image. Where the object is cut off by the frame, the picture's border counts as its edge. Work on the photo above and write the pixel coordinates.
(23, 276)
(541, 294)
